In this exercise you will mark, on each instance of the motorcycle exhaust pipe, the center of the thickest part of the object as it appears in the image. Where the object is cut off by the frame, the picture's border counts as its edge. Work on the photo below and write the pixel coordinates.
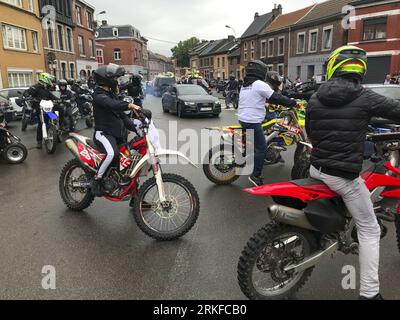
(290, 216)
(72, 147)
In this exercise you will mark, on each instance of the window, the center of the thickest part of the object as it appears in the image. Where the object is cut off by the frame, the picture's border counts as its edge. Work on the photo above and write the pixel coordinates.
(301, 37)
(91, 48)
(327, 38)
(245, 46)
(223, 63)
(31, 6)
(17, 3)
(117, 54)
(218, 62)
(252, 55)
(60, 31)
(89, 20)
(298, 71)
(252, 44)
(14, 38)
(263, 49)
(20, 79)
(50, 37)
(100, 56)
(245, 56)
(270, 47)
(115, 32)
(281, 69)
(63, 70)
(313, 41)
(81, 45)
(35, 41)
(70, 47)
(78, 15)
(375, 29)
(310, 72)
(281, 46)
(270, 67)
(72, 70)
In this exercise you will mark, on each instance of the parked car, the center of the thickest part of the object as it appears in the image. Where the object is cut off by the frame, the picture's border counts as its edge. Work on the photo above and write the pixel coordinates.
(11, 94)
(390, 91)
(6, 110)
(161, 84)
(188, 99)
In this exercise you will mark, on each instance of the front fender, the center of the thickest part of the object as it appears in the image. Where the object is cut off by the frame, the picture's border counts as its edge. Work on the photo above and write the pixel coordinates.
(142, 163)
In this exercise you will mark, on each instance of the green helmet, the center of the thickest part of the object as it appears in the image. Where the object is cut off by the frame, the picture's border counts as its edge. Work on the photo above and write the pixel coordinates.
(347, 60)
(46, 79)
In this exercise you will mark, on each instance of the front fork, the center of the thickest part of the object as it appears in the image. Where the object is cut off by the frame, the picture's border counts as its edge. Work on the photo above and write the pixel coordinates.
(44, 128)
(157, 171)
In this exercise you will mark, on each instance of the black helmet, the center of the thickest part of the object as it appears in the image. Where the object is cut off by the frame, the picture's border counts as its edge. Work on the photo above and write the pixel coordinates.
(232, 78)
(62, 83)
(274, 79)
(108, 75)
(256, 69)
(71, 82)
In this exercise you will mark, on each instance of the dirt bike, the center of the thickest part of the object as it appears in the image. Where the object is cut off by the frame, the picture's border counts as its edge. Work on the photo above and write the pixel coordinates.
(51, 131)
(311, 222)
(282, 131)
(11, 148)
(166, 206)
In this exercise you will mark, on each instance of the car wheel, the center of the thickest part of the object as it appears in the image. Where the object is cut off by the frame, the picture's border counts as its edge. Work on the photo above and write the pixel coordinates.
(165, 110)
(180, 113)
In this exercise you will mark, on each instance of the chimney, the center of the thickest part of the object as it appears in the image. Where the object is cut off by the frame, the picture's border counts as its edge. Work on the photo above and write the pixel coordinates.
(231, 38)
(104, 23)
(256, 15)
(277, 11)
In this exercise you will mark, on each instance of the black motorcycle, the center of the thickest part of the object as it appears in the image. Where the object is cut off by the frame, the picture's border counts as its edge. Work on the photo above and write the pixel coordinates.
(29, 115)
(84, 103)
(11, 148)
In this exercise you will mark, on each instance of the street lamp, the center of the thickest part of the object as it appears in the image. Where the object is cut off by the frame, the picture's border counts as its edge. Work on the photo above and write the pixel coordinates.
(102, 12)
(234, 32)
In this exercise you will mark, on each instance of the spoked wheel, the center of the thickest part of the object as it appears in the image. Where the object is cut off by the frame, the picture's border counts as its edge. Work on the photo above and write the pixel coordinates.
(301, 168)
(51, 141)
(15, 153)
(75, 186)
(174, 218)
(219, 167)
(261, 269)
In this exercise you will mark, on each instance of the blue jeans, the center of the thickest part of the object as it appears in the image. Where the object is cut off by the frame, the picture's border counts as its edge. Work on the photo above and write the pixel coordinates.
(260, 146)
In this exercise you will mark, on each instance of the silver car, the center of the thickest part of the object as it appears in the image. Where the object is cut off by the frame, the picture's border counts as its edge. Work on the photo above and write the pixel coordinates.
(11, 94)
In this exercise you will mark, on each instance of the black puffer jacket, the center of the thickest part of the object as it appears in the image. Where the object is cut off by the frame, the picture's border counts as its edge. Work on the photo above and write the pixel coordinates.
(337, 121)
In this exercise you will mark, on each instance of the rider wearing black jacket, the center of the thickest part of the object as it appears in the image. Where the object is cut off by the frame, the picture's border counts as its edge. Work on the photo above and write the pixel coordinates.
(110, 119)
(66, 97)
(40, 91)
(337, 120)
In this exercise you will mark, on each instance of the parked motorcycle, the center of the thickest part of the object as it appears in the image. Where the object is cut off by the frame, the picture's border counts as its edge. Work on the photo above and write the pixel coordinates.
(166, 206)
(310, 222)
(11, 148)
(226, 159)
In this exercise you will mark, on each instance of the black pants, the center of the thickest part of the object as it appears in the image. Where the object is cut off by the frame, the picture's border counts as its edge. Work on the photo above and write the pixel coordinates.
(109, 145)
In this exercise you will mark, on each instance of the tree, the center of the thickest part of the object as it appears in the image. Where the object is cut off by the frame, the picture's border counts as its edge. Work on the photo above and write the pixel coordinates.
(182, 50)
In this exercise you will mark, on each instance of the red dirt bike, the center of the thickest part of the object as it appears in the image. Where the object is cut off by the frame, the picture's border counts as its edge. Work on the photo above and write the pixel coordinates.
(310, 222)
(166, 206)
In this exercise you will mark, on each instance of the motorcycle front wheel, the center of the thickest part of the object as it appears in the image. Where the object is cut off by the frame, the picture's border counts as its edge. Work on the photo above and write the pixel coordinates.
(15, 153)
(218, 168)
(170, 220)
(301, 167)
(261, 273)
(52, 139)
(24, 123)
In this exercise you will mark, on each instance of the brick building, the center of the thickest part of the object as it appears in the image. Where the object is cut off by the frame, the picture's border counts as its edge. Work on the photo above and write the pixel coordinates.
(58, 39)
(84, 39)
(234, 63)
(377, 31)
(194, 54)
(159, 64)
(314, 37)
(249, 46)
(206, 58)
(221, 63)
(274, 40)
(123, 45)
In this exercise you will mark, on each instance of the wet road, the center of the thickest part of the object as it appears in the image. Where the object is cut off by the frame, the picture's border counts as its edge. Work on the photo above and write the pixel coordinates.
(102, 254)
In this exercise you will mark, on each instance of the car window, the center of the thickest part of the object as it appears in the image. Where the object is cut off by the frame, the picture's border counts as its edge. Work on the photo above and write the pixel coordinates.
(192, 91)
(389, 92)
(165, 81)
(14, 93)
(4, 94)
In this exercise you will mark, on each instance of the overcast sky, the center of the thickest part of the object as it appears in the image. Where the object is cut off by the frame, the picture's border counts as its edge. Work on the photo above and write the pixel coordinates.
(175, 20)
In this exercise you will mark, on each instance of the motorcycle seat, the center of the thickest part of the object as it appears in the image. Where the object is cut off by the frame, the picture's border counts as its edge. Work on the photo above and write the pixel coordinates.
(307, 182)
(384, 137)
(382, 122)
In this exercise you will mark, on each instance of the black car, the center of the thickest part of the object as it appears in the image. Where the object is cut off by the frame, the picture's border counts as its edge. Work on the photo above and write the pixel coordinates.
(187, 99)
(161, 84)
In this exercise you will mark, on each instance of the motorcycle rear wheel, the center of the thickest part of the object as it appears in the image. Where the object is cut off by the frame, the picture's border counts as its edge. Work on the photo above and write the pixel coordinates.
(220, 174)
(52, 139)
(301, 167)
(149, 225)
(64, 188)
(257, 259)
(24, 123)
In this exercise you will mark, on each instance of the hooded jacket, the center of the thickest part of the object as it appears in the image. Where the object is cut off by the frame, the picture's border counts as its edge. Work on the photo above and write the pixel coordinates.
(337, 122)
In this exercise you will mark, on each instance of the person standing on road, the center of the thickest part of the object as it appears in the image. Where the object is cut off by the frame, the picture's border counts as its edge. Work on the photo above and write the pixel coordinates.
(110, 119)
(38, 92)
(388, 80)
(337, 120)
(252, 111)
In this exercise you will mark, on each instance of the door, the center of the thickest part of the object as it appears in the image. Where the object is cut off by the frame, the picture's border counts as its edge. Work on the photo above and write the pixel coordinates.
(378, 69)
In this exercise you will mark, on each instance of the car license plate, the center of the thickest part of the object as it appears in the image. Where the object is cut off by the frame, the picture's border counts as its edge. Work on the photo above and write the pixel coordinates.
(206, 109)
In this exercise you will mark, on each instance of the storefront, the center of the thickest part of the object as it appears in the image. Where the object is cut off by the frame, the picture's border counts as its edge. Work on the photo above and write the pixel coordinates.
(85, 68)
(307, 67)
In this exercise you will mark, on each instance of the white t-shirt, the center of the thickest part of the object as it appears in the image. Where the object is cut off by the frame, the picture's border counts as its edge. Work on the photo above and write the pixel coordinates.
(252, 102)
